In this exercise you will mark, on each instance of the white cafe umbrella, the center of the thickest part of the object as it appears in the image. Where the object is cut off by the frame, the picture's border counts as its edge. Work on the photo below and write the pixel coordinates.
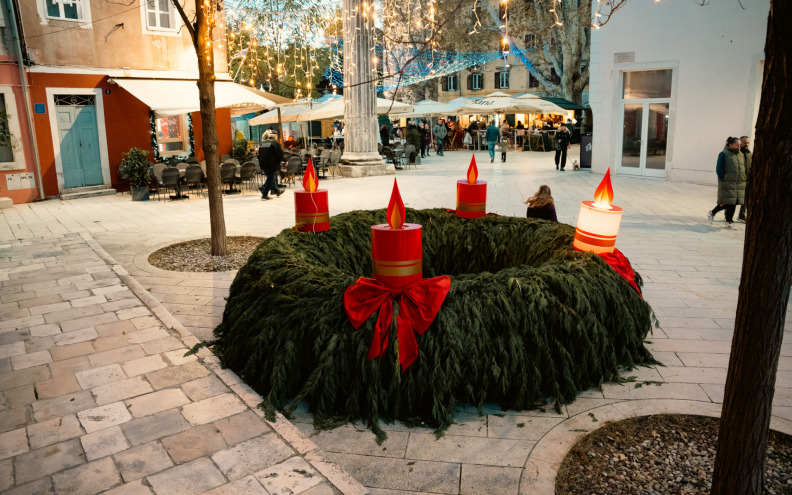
(430, 107)
(335, 109)
(502, 103)
(543, 106)
(289, 112)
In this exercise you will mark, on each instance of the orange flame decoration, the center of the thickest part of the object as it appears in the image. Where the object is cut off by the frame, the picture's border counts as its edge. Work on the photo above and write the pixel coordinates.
(396, 211)
(472, 173)
(310, 180)
(603, 196)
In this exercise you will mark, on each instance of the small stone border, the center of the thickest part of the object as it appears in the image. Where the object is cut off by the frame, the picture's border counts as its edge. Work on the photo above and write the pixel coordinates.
(289, 433)
(545, 459)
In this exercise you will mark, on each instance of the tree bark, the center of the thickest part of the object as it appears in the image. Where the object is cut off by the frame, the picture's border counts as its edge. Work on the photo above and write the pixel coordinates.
(201, 34)
(765, 279)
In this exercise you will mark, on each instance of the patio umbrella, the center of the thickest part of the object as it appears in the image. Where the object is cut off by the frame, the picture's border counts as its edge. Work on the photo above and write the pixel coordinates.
(290, 112)
(335, 109)
(542, 105)
(431, 107)
(503, 103)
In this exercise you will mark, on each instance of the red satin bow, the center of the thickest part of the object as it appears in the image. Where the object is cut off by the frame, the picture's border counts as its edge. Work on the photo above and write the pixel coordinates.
(419, 303)
(621, 264)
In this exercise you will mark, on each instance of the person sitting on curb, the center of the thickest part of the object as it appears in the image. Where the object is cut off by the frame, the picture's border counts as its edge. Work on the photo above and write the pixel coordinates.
(541, 205)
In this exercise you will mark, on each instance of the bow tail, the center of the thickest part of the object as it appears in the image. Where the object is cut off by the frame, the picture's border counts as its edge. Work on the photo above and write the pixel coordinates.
(379, 341)
(405, 333)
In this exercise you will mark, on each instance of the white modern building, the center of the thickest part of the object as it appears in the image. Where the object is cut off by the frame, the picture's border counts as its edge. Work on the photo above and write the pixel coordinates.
(670, 81)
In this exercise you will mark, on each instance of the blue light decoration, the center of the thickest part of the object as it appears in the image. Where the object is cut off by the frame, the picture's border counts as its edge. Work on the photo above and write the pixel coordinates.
(417, 65)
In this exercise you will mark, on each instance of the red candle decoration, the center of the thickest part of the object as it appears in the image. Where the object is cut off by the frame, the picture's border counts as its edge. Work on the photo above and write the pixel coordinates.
(598, 221)
(471, 194)
(310, 206)
(396, 247)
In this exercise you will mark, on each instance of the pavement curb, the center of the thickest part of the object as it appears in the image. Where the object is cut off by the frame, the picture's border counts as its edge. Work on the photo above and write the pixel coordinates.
(549, 452)
(293, 437)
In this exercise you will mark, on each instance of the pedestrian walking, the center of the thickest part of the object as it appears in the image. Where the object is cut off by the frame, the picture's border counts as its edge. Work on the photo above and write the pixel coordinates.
(562, 144)
(270, 156)
(503, 147)
(424, 132)
(440, 132)
(732, 178)
(745, 141)
(541, 205)
(492, 136)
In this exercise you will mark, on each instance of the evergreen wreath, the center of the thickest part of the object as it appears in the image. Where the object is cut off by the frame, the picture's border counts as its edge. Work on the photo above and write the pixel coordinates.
(528, 320)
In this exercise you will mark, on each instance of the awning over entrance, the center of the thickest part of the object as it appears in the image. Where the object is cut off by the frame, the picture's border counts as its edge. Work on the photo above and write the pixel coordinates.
(563, 103)
(174, 97)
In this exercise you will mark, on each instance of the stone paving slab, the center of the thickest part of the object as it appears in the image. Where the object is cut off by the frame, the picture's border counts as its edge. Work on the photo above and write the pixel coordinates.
(690, 267)
(97, 395)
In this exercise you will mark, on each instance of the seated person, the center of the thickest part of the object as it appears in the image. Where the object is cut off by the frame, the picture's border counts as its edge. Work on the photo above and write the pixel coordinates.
(290, 143)
(519, 125)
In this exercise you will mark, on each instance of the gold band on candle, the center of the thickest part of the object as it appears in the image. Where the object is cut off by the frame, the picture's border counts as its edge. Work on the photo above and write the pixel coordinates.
(462, 206)
(397, 268)
(312, 217)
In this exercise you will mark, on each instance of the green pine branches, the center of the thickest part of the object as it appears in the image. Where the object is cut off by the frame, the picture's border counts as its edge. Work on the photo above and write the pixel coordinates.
(528, 320)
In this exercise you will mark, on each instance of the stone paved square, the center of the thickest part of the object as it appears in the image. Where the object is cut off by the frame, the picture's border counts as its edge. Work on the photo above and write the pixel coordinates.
(59, 364)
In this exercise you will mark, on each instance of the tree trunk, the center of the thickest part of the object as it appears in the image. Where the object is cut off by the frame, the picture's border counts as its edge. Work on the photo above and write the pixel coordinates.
(764, 284)
(204, 22)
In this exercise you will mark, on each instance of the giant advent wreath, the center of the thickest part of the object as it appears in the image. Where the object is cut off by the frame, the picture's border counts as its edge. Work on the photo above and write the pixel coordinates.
(528, 320)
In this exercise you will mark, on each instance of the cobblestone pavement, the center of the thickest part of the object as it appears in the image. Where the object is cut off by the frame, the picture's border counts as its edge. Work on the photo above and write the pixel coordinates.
(691, 270)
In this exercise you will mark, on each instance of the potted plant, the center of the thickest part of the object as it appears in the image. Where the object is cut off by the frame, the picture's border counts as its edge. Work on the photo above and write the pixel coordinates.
(134, 167)
(240, 150)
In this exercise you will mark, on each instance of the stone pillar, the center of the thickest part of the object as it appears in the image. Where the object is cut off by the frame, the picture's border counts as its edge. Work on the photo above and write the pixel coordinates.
(360, 156)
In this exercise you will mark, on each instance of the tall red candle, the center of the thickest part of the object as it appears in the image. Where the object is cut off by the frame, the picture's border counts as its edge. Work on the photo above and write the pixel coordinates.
(396, 247)
(471, 194)
(311, 212)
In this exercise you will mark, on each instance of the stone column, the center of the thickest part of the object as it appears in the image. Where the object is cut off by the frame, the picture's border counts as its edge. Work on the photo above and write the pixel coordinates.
(360, 156)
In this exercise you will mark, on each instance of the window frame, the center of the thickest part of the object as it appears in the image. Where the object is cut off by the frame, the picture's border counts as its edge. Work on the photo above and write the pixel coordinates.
(184, 139)
(503, 75)
(449, 80)
(473, 78)
(83, 12)
(17, 147)
(171, 31)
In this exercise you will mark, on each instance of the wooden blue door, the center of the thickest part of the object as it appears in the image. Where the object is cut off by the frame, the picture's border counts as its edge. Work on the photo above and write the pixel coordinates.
(79, 141)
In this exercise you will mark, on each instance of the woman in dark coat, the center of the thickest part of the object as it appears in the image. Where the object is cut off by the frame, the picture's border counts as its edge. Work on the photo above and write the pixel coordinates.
(732, 178)
(541, 205)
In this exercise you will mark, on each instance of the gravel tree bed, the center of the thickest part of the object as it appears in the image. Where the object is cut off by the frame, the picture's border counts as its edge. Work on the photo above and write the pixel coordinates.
(658, 455)
(194, 256)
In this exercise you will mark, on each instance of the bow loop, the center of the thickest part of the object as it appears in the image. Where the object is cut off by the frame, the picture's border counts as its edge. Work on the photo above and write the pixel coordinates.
(419, 304)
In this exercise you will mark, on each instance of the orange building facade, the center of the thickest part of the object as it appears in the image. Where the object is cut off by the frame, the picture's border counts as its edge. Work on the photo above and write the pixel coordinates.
(75, 55)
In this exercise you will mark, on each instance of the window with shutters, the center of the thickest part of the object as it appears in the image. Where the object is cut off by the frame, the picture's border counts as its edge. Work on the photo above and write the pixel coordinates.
(476, 81)
(450, 83)
(502, 80)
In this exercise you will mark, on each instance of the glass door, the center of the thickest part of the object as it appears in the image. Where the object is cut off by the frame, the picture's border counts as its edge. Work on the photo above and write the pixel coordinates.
(644, 139)
(656, 139)
(632, 138)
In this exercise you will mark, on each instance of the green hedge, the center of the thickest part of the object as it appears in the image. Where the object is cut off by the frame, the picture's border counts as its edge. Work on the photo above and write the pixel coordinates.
(528, 320)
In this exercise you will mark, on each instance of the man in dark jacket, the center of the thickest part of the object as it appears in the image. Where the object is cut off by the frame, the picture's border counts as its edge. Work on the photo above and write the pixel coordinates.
(270, 156)
(562, 144)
